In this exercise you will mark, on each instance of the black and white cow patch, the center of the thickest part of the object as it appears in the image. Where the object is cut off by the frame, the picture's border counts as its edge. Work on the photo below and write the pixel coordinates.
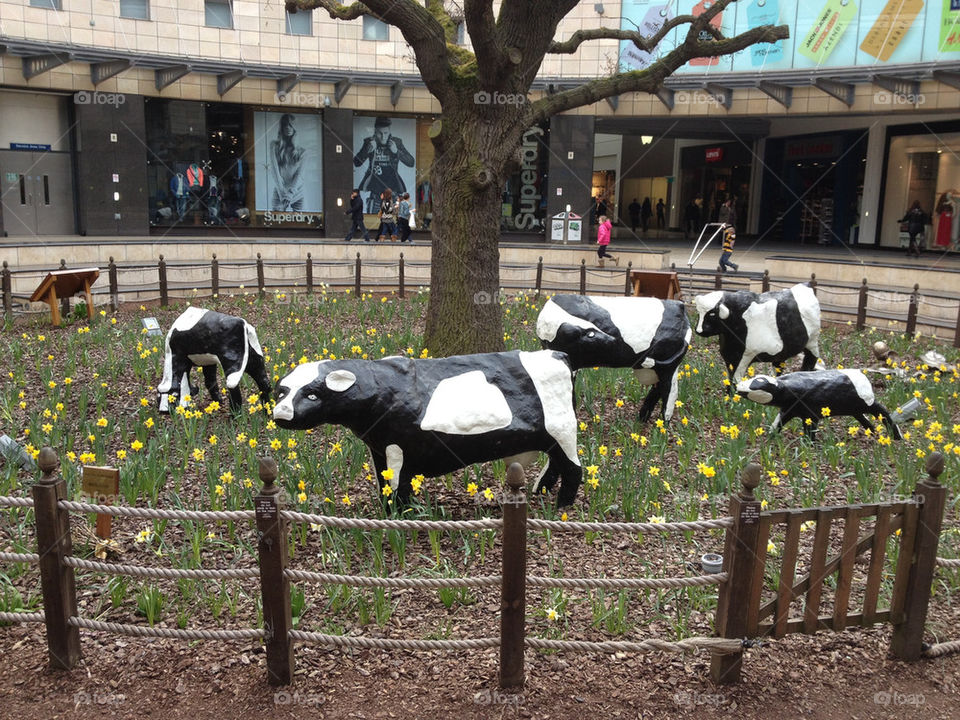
(208, 339)
(433, 416)
(770, 327)
(646, 334)
(812, 395)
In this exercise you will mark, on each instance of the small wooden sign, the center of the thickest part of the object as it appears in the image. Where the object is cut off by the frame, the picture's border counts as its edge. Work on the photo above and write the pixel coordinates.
(101, 486)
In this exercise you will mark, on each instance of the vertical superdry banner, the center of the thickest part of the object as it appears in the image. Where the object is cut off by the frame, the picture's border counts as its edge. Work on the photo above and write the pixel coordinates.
(530, 193)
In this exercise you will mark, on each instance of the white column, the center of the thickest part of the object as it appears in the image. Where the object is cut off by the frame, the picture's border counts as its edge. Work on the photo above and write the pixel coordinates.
(870, 203)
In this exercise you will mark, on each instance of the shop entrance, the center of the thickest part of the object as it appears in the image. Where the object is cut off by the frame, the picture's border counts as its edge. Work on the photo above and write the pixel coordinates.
(37, 193)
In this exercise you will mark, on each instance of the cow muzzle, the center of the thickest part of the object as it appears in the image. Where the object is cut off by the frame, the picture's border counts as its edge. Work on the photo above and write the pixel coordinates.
(283, 411)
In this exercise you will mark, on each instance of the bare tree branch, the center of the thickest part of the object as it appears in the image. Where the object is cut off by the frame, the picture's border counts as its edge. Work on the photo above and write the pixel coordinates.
(492, 59)
(573, 43)
(651, 78)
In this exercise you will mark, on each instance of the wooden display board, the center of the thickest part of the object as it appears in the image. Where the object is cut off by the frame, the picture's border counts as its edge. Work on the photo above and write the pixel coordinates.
(64, 284)
(658, 284)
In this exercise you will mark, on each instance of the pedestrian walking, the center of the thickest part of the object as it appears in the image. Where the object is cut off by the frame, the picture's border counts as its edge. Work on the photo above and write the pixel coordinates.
(603, 240)
(916, 220)
(403, 217)
(634, 210)
(729, 240)
(388, 216)
(693, 217)
(356, 217)
(661, 214)
(646, 211)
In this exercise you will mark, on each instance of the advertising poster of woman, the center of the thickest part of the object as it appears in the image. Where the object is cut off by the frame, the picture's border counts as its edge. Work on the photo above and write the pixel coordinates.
(288, 155)
(383, 157)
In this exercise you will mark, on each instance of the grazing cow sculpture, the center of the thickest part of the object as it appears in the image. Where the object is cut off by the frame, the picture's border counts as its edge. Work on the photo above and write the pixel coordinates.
(433, 416)
(646, 334)
(770, 327)
(813, 395)
(206, 339)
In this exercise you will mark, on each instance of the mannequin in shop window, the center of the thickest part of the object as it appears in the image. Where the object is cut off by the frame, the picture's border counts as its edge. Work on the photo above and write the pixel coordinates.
(947, 219)
(286, 165)
(179, 189)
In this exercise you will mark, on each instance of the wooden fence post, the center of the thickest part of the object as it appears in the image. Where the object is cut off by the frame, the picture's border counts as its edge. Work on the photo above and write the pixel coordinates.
(64, 301)
(956, 335)
(274, 585)
(539, 286)
(215, 276)
(114, 285)
(162, 276)
(862, 307)
(513, 589)
(765, 281)
(6, 286)
(913, 309)
(56, 578)
(813, 282)
(718, 281)
(356, 281)
(260, 281)
(309, 274)
(627, 287)
(907, 641)
(400, 276)
(583, 277)
(739, 557)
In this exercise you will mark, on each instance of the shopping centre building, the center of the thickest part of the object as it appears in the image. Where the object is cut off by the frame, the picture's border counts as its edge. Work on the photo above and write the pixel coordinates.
(193, 117)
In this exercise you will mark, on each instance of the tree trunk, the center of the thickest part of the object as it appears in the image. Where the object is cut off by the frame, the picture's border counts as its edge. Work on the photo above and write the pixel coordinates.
(468, 175)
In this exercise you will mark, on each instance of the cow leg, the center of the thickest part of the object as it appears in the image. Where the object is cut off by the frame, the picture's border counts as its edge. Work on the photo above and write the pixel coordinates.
(180, 377)
(777, 423)
(669, 392)
(809, 360)
(210, 381)
(649, 403)
(862, 419)
(878, 409)
(571, 475)
(546, 479)
(812, 431)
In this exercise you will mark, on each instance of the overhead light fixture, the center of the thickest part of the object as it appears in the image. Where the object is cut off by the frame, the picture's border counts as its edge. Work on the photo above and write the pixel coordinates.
(646, 139)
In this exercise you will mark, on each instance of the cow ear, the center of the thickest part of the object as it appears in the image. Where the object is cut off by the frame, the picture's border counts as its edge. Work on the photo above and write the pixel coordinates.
(340, 380)
(723, 311)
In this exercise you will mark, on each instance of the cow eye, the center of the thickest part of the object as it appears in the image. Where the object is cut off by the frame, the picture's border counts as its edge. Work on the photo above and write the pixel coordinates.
(311, 397)
(591, 334)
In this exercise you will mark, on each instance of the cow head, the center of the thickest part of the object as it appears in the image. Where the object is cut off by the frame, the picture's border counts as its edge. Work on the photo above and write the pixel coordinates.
(712, 312)
(761, 389)
(586, 346)
(313, 394)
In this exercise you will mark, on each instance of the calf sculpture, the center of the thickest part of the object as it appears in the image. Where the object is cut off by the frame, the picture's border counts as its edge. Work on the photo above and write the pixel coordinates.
(814, 395)
(770, 327)
(206, 339)
(646, 334)
(433, 416)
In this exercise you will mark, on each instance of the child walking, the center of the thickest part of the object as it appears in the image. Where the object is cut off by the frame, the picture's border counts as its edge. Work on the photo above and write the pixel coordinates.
(729, 240)
(603, 240)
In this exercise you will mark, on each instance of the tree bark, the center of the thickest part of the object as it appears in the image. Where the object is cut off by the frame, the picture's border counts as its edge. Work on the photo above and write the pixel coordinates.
(468, 175)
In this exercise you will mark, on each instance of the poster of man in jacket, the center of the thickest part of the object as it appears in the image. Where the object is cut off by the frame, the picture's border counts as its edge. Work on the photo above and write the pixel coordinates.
(383, 157)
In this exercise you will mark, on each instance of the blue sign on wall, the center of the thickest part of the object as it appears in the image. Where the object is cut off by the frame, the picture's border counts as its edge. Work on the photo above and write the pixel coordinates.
(28, 146)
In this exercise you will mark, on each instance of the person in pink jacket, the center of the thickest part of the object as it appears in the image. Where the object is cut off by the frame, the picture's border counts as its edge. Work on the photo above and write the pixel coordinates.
(603, 240)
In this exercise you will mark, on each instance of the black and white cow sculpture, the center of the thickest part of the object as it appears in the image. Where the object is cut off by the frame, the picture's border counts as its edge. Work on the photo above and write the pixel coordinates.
(206, 339)
(770, 327)
(646, 334)
(805, 395)
(433, 416)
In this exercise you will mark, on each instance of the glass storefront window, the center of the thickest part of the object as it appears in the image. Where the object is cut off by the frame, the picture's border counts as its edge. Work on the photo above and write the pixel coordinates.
(924, 169)
(524, 206)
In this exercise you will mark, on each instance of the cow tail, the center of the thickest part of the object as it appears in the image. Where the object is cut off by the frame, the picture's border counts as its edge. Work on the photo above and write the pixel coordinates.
(249, 335)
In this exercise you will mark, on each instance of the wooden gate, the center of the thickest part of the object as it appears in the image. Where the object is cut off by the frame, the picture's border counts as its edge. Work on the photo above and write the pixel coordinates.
(797, 571)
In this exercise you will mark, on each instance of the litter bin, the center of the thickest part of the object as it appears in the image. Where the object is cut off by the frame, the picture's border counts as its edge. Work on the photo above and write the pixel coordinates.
(566, 227)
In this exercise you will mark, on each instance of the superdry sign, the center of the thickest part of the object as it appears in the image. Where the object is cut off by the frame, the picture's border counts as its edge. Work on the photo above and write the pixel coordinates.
(714, 154)
(822, 147)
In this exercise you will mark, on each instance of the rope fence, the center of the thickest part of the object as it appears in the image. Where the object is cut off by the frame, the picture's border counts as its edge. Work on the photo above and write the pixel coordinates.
(158, 513)
(161, 573)
(630, 583)
(21, 617)
(346, 641)
(161, 632)
(395, 583)
(19, 557)
(12, 501)
(718, 645)
(948, 562)
(646, 528)
(360, 524)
